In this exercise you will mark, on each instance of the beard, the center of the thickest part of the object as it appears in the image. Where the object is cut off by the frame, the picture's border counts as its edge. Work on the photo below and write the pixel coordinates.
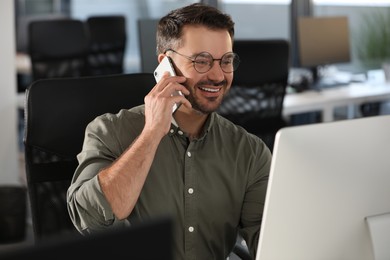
(209, 105)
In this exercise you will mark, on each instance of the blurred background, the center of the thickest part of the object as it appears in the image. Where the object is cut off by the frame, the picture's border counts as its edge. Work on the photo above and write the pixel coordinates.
(368, 46)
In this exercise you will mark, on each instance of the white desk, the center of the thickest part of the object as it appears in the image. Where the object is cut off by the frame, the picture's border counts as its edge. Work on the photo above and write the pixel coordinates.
(325, 101)
(20, 100)
(328, 99)
(23, 63)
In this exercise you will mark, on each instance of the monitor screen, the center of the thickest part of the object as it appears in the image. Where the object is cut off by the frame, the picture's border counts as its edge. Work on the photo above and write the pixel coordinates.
(148, 240)
(325, 180)
(323, 40)
(147, 29)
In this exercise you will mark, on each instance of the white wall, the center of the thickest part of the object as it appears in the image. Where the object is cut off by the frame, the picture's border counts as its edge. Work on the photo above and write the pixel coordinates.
(9, 171)
(254, 21)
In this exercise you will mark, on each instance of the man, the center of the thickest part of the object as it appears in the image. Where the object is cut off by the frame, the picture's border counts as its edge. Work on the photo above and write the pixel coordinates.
(208, 174)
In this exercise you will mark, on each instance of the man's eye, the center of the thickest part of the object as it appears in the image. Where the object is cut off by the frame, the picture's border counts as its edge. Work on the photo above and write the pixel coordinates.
(202, 62)
(227, 61)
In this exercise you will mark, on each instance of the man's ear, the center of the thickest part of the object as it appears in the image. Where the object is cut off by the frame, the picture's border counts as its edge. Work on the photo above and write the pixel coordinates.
(160, 57)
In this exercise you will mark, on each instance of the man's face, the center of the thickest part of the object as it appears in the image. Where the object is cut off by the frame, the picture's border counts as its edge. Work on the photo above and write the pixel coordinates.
(206, 89)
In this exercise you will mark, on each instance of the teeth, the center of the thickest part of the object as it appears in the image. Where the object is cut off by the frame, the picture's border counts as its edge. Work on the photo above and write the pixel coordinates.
(210, 89)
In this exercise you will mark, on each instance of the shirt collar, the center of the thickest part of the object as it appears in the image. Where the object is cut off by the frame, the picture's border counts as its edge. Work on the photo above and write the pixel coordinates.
(207, 126)
(174, 122)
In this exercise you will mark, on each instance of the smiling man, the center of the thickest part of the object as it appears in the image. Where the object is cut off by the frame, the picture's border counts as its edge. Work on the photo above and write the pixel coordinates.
(206, 173)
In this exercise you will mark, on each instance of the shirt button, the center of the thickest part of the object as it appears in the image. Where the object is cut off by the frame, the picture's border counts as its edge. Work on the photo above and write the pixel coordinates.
(180, 132)
(189, 154)
(171, 131)
(191, 229)
(190, 190)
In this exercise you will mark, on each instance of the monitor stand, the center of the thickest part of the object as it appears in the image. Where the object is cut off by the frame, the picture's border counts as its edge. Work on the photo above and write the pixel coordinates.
(323, 81)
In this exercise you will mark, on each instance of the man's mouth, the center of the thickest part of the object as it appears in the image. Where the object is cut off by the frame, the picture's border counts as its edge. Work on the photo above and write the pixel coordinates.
(211, 90)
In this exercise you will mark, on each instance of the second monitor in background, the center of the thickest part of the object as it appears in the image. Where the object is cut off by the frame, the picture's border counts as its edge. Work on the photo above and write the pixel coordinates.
(147, 29)
(323, 41)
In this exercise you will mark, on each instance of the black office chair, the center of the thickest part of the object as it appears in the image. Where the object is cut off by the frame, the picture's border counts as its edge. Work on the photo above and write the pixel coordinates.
(57, 112)
(255, 100)
(370, 109)
(107, 37)
(57, 48)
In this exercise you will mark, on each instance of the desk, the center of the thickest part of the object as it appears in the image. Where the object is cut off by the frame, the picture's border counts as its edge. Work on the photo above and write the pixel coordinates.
(328, 99)
(23, 63)
(20, 100)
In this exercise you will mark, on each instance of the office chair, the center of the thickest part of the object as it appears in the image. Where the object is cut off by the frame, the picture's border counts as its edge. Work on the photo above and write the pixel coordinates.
(107, 44)
(57, 112)
(370, 109)
(255, 100)
(57, 48)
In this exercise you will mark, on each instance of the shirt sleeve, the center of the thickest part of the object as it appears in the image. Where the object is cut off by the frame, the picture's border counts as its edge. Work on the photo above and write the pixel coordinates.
(87, 205)
(253, 205)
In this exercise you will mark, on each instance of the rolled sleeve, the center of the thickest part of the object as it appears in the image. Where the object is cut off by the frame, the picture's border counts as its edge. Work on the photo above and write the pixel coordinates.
(88, 208)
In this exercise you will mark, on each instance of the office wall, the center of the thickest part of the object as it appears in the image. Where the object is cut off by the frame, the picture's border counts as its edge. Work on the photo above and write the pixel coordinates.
(254, 21)
(9, 172)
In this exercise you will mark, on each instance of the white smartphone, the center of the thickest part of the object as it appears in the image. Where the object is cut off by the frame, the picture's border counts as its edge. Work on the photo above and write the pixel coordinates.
(166, 65)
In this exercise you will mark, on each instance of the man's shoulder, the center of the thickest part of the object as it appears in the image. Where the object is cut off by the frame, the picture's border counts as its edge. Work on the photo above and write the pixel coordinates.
(134, 113)
(232, 129)
(122, 124)
(123, 118)
(229, 126)
(237, 137)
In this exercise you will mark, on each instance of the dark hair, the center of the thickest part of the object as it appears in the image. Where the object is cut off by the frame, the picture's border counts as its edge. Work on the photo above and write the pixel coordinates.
(170, 27)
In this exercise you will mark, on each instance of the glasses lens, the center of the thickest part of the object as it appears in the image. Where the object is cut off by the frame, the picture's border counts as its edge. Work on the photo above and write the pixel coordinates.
(202, 62)
(229, 62)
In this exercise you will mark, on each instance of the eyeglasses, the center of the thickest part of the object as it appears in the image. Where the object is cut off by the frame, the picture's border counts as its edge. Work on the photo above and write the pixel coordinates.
(203, 61)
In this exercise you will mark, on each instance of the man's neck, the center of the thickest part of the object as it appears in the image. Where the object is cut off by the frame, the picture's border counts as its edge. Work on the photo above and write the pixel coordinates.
(191, 122)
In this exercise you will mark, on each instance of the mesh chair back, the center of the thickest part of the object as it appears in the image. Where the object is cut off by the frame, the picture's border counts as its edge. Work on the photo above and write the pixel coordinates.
(255, 100)
(107, 44)
(57, 48)
(57, 112)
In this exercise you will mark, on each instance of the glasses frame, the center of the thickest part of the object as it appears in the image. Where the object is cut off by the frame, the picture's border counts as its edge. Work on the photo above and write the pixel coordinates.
(193, 60)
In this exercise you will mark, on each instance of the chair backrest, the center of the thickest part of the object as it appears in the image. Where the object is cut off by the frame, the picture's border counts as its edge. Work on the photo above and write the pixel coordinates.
(107, 37)
(57, 48)
(262, 62)
(56, 114)
(255, 100)
(22, 24)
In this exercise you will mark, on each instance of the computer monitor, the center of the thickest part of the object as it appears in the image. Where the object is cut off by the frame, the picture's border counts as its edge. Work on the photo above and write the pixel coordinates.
(322, 41)
(148, 240)
(147, 29)
(325, 179)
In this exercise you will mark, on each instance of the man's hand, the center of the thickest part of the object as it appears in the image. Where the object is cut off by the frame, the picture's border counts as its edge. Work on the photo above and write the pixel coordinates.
(159, 103)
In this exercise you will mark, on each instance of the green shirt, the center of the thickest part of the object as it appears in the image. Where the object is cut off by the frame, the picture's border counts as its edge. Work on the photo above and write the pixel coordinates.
(212, 187)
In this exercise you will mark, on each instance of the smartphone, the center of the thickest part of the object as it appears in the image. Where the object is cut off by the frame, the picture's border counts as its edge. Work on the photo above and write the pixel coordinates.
(166, 65)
